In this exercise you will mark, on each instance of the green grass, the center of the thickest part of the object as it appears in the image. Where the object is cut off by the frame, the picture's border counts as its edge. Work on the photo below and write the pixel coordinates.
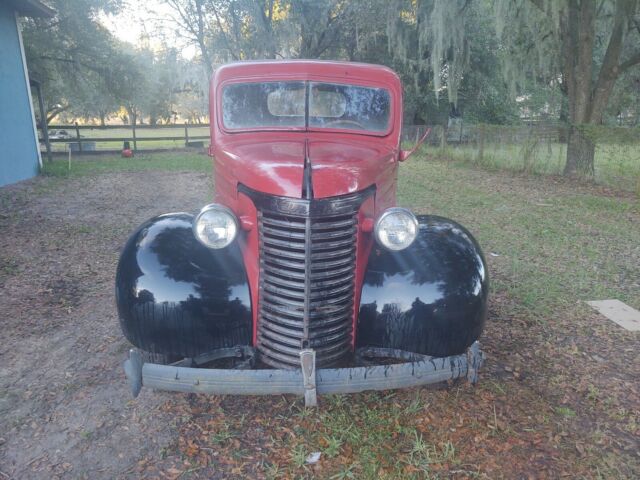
(565, 412)
(616, 165)
(89, 165)
(552, 246)
(371, 438)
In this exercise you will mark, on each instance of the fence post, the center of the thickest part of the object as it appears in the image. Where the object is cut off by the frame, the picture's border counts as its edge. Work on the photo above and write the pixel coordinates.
(43, 120)
(78, 137)
(481, 142)
(186, 134)
(135, 140)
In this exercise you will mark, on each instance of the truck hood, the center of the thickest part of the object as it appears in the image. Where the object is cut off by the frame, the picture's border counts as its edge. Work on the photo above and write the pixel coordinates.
(338, 167)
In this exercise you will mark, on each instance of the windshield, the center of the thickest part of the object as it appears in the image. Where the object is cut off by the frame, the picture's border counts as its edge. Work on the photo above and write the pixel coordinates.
(305, 104)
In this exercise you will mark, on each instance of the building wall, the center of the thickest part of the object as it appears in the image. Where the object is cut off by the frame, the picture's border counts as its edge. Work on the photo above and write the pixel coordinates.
(19, 151)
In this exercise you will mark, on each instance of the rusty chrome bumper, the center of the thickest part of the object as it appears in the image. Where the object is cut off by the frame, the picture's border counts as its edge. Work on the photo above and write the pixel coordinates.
(306, 381)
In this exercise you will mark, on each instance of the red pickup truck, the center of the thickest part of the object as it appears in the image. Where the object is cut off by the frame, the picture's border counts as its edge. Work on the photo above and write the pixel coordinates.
(302, 276)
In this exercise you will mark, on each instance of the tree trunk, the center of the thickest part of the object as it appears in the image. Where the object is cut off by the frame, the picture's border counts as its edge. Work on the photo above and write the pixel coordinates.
(563, 132)
(578, 35)
(580, 154)
(588, 95)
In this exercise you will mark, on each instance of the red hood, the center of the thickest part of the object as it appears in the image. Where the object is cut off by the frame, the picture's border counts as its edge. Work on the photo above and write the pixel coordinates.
(276, 167)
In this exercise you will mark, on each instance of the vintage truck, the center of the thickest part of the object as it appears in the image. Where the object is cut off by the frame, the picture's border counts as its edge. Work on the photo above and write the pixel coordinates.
(303, 276)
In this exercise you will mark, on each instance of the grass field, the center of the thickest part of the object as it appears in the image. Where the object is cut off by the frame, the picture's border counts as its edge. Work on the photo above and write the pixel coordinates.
(542, 232)
(616, 165)
(559, 393)
(536, 235)
(167, 161)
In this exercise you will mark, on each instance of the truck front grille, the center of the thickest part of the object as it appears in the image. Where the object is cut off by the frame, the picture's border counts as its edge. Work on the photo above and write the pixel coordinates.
(307, 277)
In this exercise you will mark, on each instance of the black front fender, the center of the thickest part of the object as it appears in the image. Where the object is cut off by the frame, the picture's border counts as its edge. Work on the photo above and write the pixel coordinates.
(177, 297)
(430, 298)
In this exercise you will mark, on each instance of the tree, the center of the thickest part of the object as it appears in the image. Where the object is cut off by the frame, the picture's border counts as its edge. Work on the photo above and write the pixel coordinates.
(69, 55)
(322, 27)
(624, 106)
(232, 30)
(429, 37)
(448, 57)
(91, 102)
(193, 20)
(587, 44)
(582, 45)
(128, 77)
(191, 93)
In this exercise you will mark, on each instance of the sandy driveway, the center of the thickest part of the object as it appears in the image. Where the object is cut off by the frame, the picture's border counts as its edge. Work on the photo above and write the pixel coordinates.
(64, 406)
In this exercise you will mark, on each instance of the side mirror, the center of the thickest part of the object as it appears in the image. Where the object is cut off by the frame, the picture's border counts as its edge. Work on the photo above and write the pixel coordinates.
(404, 154)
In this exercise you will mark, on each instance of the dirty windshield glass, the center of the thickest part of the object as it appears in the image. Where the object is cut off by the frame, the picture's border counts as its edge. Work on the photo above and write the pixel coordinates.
(272, 104)
(327, 105)
(349, 107)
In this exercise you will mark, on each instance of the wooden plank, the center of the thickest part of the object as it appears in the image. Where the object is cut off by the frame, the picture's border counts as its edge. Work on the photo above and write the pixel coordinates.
(619, 312)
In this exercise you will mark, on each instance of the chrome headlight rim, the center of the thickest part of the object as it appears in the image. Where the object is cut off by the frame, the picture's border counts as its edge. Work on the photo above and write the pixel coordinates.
(394, 211)
(218, 208)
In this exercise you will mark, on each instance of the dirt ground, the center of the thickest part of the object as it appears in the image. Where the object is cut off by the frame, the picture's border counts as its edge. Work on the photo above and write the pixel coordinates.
(64, 407)
(66, 411)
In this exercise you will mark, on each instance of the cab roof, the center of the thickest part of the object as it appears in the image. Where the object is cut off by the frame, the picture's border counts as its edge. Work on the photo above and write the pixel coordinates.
(307, 69)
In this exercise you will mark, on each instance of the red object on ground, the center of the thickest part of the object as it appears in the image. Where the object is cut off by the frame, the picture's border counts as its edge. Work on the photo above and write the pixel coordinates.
(127, 153)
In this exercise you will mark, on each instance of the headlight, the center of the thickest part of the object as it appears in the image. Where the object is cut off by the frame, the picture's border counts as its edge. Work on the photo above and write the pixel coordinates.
(396, 228)
(215, 226)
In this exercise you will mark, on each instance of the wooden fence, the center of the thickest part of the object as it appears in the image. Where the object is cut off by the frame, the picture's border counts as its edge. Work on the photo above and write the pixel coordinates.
(87, 139)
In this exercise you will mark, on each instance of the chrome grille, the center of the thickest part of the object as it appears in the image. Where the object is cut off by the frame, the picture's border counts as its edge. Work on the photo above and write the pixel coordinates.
(307, 251)
(307, 268)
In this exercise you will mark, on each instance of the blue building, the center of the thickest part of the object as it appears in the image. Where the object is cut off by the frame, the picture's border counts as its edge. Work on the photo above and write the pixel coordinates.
(19, 149)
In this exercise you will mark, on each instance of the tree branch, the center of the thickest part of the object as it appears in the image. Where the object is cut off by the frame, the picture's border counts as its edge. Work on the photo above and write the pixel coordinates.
(609, 71)
(51, 114)
(224, 34)
(464, 7)
(633, 60)
(94, 68)
(539, 4)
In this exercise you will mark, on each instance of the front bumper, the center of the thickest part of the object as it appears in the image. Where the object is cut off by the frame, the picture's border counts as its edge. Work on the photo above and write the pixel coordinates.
(306, 381)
